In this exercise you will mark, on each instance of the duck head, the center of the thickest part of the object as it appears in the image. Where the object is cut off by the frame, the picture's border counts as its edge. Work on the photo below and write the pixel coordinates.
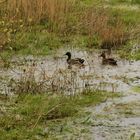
(69, 55)
(103, 55)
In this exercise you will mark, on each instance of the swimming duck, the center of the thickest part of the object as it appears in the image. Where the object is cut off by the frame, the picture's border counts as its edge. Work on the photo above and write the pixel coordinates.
(75, 61)
(109, 61)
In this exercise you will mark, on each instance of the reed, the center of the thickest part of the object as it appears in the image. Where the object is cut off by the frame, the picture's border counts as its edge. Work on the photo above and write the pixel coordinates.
(53, 10)
(65, 18)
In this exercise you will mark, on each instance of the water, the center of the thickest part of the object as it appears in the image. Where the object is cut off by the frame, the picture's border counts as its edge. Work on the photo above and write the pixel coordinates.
(93, 75)
(54, 71)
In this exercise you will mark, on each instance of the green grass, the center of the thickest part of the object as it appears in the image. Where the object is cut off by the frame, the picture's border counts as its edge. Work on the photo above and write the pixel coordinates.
(136, 56)
(29, 115)
(128, 16)
(90, 2)
(36, 43)
(113, 2)
(126, 51)
(136, 89)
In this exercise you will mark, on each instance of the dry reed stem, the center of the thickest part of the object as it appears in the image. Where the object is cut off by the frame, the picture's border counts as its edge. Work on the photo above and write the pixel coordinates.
(41, 114)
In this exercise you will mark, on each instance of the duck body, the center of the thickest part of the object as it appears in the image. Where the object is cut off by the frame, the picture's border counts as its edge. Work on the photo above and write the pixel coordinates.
(108, 61)
(75, 61)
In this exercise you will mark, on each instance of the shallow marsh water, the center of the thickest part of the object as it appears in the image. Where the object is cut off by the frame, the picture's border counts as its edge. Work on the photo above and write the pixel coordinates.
(107, 121)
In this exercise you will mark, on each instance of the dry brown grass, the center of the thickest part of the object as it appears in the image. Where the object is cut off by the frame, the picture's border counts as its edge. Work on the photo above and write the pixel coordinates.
(113, 36)
(67, 17)
(36, 10)
(99, 22)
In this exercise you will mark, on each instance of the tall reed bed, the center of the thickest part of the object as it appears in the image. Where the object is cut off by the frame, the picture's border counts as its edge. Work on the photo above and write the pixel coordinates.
(97, 21)
(52, 12)
(66, 17)
(37, 9)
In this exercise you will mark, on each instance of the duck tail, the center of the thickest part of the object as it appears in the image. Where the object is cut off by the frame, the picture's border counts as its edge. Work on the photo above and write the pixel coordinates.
(115, 63)
(81, 60)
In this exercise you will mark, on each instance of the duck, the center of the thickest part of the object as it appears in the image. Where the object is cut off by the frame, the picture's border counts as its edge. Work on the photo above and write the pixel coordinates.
(75, 61)
(108, 61)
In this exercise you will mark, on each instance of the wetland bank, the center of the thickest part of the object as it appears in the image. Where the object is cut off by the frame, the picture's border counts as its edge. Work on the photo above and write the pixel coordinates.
(41, 98)
(94, 102)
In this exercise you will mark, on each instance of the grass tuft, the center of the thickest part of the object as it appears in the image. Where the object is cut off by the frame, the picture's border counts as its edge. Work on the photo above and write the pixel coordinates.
(29, 114)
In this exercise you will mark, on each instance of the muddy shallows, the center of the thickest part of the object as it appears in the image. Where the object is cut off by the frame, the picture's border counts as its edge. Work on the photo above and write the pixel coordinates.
(114, 119)
(51, 73)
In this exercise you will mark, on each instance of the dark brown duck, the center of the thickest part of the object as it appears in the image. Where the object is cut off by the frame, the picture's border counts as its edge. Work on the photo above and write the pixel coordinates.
(108, 61)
